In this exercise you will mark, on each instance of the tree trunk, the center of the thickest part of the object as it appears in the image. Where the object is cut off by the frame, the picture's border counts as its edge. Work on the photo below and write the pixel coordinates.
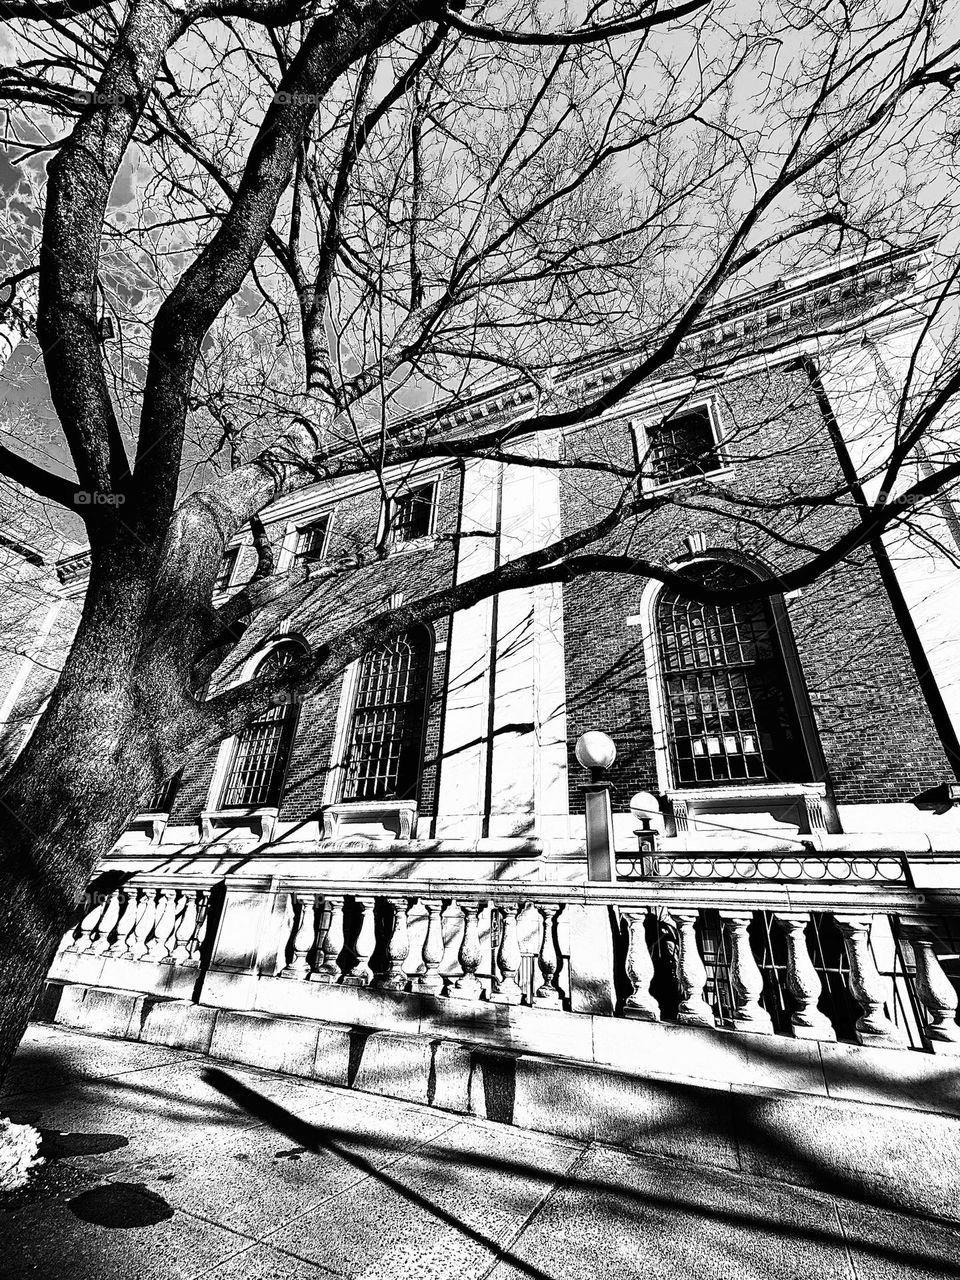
(64, 803)
(99, 751)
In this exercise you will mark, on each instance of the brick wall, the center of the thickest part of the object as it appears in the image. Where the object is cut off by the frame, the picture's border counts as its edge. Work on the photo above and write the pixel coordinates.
(876, 733)
(332, 606)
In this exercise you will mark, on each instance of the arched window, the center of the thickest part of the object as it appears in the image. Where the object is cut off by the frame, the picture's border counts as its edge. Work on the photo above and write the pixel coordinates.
(729, 707)
(384, 743)
(261, 751)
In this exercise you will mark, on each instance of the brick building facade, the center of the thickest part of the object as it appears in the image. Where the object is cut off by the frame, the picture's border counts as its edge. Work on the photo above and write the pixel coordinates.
(754, 409)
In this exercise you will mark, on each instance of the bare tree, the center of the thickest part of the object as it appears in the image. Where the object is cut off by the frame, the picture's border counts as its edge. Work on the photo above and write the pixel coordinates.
(301, 222)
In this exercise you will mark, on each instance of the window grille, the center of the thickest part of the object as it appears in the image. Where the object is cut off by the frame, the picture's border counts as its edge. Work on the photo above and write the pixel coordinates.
(312, 539)
(683, 446)
(227, 567)
(412, 512)
(383, 754)
(730, 713)
(263, 748)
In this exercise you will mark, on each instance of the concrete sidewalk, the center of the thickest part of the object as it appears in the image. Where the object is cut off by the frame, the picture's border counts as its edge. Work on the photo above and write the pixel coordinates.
(162, 1164)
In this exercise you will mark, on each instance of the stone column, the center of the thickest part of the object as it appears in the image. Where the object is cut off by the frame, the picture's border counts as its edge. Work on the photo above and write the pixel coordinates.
(430, 981)
(547, 995)
(398, 948)
(108, 922)
(125, 924)
(691, 974)
(332, 944)
(186, 925)
(468, 986)
(866, 984)
(304, 935)
(934, 990)
(640, 1003)
(803, 981)
(745, 976)
(164, 924)
(361, 974)
(506, 988)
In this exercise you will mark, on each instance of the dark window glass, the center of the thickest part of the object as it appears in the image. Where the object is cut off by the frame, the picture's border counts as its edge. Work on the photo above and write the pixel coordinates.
(683, 446)
(163, 797)
(311, 539)
(383, 755)
(227, 566)
(730, 712)
(412, 511)
(263, 748)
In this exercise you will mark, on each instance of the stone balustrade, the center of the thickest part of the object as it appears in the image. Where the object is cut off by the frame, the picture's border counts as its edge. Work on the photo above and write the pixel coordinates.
(163, 922)
(814, 962)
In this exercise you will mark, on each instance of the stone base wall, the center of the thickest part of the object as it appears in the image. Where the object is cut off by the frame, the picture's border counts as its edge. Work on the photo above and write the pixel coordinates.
(887, 1123)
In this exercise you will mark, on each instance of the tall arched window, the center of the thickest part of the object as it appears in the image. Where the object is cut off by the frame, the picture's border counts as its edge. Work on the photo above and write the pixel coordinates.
(262, 750)
(384, 743)
(730, 709)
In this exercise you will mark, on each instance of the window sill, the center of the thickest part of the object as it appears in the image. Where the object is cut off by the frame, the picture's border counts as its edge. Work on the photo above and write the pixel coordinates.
(371, 819)
(650, 489)
(807, 801)
(261, 821)
(153, 821)
(426, 543)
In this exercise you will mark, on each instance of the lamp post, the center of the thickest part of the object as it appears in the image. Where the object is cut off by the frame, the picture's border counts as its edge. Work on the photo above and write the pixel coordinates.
(645, 808)
(597, 752)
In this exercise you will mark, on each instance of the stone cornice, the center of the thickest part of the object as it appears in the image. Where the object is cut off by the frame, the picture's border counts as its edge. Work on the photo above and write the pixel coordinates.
(749, 326)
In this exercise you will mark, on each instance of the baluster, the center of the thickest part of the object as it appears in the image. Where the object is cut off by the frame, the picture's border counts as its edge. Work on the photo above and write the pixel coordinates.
(146, 917)
(196, 942)
(803, 982)
(108, 922)
(398, 948)
(866, 985)
(186, 918)
(303, 937)
(691, 974)
(84, 939)
(745, 976)
(468, 986)
(164, 924)
(332, 944)
(430, 980)
(128, 918)
(547, 996)
(934, 990)
(506, 988)
(639, 968)
(361, 974)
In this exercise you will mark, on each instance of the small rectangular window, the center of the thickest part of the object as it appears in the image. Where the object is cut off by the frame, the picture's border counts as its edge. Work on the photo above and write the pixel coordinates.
(412, 514)
(228, 566)
(683, 446)
(312, 540)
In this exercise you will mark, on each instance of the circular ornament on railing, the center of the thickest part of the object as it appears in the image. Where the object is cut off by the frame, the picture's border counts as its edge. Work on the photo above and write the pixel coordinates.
(838, 869)
(792, 868)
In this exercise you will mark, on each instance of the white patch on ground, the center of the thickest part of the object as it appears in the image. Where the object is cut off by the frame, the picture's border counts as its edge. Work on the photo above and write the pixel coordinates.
(19, 1147)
